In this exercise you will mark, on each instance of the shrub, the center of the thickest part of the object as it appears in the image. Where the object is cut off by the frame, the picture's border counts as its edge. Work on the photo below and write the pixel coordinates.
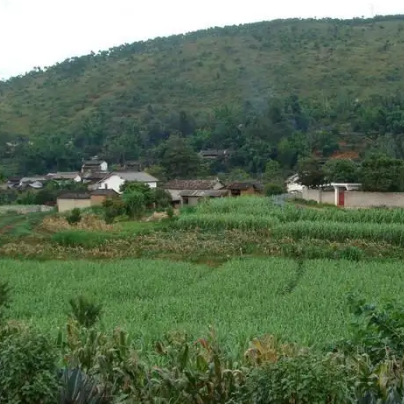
(84, 311)
(113, 208)
(4, 298)
(79, 238)
(135, 203)
(27, 368)
(74, 216)
(304, 379)
(274, 189)
(170, 212)
(162, 198)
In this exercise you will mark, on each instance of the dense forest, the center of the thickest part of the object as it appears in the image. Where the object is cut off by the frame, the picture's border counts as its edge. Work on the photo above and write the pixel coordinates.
(276, 90)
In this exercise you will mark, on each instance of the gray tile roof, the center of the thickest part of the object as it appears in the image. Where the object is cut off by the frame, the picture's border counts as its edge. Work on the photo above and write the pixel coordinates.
(132, 176)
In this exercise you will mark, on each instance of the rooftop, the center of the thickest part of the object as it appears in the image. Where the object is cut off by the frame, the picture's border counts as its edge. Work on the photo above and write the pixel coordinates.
(106, 192)
(196, 185)
(242, 186)
(75, 195)
(132, 176)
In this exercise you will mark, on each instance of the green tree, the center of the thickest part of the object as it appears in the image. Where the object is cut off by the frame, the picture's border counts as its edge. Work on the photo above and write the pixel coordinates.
(341, 171)
(382, 174)
(135, 203)
(178, 159)
(273, 172)
(310, 172)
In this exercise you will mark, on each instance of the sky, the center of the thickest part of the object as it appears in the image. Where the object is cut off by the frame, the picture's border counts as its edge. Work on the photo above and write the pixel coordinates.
(43, 32)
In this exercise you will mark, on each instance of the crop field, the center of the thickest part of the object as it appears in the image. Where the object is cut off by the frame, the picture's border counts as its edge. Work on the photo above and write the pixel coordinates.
(281, 220)
(241, 299)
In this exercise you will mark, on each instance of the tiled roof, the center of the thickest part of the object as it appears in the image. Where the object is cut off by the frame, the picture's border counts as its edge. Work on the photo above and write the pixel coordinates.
(132, 176)
(75, 195)
(106, 192)
(205, 194)
(245, 185)
(196, 185)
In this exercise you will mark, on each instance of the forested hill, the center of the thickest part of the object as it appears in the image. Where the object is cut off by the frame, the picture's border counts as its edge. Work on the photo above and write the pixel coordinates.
(275, 90)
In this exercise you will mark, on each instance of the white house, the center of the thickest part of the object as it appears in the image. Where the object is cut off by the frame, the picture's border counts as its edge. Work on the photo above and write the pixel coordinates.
(116, 179)
(94, 165)
(292, 184)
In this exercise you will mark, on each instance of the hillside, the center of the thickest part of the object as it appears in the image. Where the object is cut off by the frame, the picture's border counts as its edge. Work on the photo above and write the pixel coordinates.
(275, 78)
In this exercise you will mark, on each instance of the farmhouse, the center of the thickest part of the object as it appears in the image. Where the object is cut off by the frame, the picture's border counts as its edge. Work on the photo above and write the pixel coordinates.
(94, 165)
(191, 192)
(115, 179)
(245, 188)
(69, 201)
(81, 200)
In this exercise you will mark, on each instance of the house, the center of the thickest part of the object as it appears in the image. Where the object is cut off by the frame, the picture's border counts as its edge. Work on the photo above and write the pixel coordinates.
(245, 188)
(13, 182)
(61, 177)
(92, 179)
(36, 182)
(70, 201)
(99, 196)
(82, 200)
(292, 184)
(190, 192)
(94, 165)
(117, 178)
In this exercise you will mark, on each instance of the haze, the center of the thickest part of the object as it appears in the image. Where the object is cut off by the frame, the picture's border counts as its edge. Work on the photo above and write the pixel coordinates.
(43, 32)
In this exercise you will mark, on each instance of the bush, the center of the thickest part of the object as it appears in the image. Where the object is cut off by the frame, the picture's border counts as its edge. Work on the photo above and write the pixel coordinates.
(162, 198)
(85, 312)
(74, 216)
(274, 189)
(304, 379)
(113, 208)
(4, 298)
(79, 238)
(27, 368)
(135, 203)
(170, 212)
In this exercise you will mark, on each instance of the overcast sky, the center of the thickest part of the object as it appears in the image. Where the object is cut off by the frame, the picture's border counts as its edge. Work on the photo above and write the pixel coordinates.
(42, 32)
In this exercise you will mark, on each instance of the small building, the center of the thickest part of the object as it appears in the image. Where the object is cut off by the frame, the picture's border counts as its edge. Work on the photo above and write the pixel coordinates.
(69, 201)
(117, 178)
(36, 182)
(94, 165)
(190, 192)
(245, 188)
(99, 196)
(62, 177)
(92, 179)
(13, 182)
(293, 185)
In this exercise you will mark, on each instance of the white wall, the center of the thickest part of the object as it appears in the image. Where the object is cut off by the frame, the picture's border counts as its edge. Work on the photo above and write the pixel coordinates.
(358, 199)
(318, 195)
(115, 181)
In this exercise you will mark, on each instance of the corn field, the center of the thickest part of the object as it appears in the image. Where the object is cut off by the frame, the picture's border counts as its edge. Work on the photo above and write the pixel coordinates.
(296, 222)
(240, 300)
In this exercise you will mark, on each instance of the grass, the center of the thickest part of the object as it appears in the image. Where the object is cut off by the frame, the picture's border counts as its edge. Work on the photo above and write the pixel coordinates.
(241, 299)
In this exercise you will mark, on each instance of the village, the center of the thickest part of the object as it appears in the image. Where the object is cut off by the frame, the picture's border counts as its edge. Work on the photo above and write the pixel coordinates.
(98, 183)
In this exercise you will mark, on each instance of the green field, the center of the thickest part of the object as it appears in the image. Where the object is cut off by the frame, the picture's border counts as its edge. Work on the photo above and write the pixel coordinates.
(241, 299)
